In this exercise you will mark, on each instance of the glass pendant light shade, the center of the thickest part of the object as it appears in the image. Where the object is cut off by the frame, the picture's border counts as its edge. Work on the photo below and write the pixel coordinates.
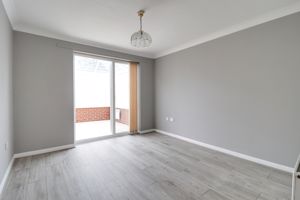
(141, 39)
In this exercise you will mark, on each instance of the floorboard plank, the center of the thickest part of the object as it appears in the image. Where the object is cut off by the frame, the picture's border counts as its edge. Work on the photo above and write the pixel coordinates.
(143, 167)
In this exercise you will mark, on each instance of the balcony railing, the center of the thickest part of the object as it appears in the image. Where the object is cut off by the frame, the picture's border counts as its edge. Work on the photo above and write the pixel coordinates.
(101, 114)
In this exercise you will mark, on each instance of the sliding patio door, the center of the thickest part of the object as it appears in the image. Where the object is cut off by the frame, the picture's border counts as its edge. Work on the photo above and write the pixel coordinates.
(121, 121)
(102, 90)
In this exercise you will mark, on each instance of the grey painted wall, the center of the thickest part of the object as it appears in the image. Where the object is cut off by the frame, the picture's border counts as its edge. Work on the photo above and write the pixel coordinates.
(43, 90)
(240, 92)
(6, 130)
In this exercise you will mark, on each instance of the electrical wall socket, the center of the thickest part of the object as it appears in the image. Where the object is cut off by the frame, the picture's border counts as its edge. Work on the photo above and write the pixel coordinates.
(170, 119)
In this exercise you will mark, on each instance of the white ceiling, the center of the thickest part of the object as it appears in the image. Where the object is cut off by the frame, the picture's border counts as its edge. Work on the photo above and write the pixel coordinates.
(173, 24)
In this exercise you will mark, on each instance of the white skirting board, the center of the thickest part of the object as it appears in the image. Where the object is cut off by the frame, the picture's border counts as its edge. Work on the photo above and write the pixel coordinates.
(295, 186)
(232, 153)
(5, 177)
(42, 151)
(26, 154)
(147, 131)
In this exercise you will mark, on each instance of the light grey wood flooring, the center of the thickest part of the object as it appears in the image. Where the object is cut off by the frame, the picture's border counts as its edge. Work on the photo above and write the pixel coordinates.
(150, 167)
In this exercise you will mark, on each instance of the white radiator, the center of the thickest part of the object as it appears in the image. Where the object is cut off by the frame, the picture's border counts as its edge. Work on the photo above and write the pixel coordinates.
(296, 181)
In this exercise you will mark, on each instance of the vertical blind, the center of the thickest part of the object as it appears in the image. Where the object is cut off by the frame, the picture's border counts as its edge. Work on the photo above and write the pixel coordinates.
(133, 98)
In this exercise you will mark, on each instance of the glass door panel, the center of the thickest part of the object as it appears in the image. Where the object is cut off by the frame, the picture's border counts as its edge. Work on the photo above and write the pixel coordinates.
(92, 87)
(122, 99)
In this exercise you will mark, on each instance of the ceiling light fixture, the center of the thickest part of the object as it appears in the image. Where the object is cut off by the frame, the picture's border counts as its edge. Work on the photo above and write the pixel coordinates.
(141, 38)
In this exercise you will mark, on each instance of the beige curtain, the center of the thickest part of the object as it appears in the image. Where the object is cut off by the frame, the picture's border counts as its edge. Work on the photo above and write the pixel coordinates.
(133, 98)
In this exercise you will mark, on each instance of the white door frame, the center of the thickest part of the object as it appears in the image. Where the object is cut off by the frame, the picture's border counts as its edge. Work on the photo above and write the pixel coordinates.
(112, 98)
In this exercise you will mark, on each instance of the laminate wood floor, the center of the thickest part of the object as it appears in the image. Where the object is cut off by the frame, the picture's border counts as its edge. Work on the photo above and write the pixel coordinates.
(150, 167)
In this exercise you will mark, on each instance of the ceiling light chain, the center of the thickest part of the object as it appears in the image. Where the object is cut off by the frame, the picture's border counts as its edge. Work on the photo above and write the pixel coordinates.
(141, 14)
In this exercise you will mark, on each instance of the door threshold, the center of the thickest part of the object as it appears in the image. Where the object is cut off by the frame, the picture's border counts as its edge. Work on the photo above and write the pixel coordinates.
(95, 139)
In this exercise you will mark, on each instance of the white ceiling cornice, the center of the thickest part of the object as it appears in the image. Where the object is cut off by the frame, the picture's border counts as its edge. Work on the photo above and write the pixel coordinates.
(259, 20)
(81, 41)
(11, 11)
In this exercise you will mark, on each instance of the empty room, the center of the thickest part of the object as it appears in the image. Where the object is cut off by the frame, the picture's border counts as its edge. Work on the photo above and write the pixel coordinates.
(149, 100)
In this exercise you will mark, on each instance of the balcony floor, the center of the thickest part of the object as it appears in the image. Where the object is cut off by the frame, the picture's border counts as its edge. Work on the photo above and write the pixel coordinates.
(88, 130)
